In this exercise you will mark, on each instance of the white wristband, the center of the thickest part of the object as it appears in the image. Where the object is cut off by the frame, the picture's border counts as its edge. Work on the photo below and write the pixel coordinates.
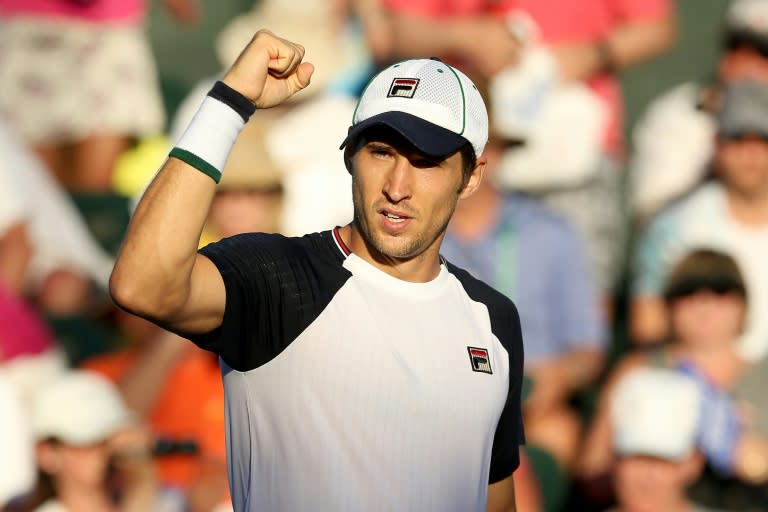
(209, 137)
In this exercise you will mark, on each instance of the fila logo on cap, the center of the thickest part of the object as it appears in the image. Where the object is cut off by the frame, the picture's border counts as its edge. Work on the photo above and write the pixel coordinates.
(478, 358)
(403, 87)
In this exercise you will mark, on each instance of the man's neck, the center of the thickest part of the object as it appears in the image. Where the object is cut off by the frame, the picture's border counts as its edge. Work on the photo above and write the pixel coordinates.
(476, 215)
(677, 504)
(75, 497)
(421, 268)
(721, 363)
(748, 209)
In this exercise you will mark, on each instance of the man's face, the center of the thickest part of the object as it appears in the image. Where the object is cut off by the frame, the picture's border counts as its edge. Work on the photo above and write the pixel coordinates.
(743, 62)
(403, 199)
(649, 484)
(743, 164)
(245, 211)
(708, 319)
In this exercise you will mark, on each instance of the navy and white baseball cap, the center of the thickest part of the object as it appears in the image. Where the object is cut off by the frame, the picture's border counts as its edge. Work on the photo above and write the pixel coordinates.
(434, 106)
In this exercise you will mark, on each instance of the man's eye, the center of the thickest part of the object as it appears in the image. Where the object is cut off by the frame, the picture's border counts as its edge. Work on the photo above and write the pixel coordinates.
(380, 151)
(425, 163)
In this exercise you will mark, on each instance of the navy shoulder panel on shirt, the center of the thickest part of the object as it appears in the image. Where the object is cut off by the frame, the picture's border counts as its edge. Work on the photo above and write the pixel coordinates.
(276, 286)
(502, 310)
(505, 324)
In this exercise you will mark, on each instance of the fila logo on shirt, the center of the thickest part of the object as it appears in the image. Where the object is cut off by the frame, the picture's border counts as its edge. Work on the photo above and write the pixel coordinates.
(403, 87)
(478, 358)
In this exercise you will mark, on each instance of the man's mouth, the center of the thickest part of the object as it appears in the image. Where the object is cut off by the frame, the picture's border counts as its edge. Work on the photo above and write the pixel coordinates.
(394, 218)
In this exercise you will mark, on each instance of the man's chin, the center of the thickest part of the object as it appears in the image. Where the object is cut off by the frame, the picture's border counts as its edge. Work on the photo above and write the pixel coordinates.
(396, 247)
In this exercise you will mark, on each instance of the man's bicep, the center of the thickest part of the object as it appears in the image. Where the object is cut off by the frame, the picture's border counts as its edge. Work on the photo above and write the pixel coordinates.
(501, 496)
(204, 309)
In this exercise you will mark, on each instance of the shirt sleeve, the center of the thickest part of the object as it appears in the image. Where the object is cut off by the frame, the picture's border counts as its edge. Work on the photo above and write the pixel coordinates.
(435, 9)
(510, 434)
(579, 323)
(275, 287)
(641, 10)
(260, 277)
(650, 266)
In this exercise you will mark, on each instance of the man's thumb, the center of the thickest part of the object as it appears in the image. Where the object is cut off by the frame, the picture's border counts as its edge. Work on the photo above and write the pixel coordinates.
(303, 75)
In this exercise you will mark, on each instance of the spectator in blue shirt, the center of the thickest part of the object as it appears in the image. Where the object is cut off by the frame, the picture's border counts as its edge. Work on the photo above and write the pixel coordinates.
(536, 258)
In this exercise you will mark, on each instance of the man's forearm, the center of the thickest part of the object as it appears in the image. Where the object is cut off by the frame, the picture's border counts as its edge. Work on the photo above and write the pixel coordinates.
(417, 36)
(15, 255)
(580, 367)
(626, 46)
(156, 260)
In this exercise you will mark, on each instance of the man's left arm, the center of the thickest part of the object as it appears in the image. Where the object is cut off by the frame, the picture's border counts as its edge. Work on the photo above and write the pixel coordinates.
(501, 496)
(645, 30)
(509, 436)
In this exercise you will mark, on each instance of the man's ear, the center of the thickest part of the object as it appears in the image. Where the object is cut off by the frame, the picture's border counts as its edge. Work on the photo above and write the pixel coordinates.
(349, 153)
(475, 178)
(48, 457)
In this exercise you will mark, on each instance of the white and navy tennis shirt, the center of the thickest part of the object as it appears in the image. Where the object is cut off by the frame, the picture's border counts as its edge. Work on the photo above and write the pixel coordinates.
(350, 390)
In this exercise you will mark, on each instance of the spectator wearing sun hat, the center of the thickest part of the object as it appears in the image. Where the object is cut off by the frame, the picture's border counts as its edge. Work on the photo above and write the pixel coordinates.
(706, 297)
(656, 415)
(84, 431)
(17, 470)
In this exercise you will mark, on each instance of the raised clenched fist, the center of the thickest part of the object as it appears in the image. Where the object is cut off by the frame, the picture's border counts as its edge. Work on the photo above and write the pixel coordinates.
(269, 70)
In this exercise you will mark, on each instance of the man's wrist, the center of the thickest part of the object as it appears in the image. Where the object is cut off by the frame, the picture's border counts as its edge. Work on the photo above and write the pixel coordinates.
(210, 136)
(233, 99)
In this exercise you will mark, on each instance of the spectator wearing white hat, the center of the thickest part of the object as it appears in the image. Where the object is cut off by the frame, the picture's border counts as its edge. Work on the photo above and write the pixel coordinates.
(673, 139)
(90, 453)
(706, 297)
(729, 214)
(655, 440)
(17, 469)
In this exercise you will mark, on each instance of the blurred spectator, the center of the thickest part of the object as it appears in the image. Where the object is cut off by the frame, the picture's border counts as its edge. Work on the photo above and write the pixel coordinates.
(730, 214)
(325, 30)
(706, 297)
(176, 388)
(537, 260)
(656, 416)
(589, 41)
(78, 81)
(29, 355)
(46, 250)
(17, 467)
(249, 197)
(674, 139)
(89, 453)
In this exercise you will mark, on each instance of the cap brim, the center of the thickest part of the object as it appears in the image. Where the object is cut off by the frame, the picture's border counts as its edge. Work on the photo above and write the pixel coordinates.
(430, 139)
(745, 36)
(742, 129)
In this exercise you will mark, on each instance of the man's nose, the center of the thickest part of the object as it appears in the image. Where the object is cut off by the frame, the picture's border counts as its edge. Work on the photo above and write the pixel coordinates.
(398, 183)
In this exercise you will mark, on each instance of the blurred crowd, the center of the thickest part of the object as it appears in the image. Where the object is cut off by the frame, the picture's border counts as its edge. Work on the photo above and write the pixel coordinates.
(639, 266)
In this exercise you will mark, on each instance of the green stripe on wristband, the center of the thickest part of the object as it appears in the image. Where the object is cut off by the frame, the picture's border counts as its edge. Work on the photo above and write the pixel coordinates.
(196, 162)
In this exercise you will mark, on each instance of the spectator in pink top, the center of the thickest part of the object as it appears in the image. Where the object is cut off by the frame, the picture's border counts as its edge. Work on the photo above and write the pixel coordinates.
(79, 81)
